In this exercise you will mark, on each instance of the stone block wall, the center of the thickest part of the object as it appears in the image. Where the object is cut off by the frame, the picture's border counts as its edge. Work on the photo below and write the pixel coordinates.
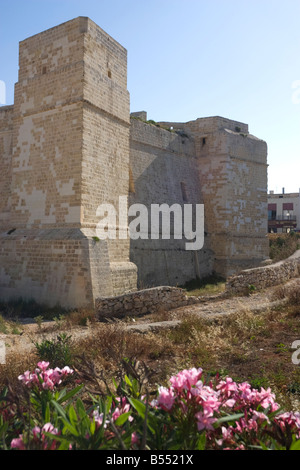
(142, 302)
(265, 276)
(164, 170)
(225, 168)
(6, 143)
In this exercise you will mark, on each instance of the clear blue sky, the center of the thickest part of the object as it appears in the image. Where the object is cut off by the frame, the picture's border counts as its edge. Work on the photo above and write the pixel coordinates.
(192, 58)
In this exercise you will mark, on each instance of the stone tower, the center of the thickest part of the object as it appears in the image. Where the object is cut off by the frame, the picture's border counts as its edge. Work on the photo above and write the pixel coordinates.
(68, 133)
(68, 146)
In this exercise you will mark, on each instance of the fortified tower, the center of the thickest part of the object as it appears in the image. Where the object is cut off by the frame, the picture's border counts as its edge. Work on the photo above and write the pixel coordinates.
(68, 146)
(68, 134)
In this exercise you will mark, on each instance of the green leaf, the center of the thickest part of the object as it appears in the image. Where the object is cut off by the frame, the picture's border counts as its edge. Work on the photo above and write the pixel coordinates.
(122, 418)
(65, 440)
(138, 406)
(80, 409)
(115, 383)
(67, 396)
(295, 445)
(127, 380)
(64, 418)
(201, 442)
(141, 409)
(73, 416)
(93, 427)
(108, 404)
(47, 413)
(225, 419)
(135, 387)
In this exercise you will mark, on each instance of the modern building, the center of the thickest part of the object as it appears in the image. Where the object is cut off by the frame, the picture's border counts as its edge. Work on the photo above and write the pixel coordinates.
(283, 212)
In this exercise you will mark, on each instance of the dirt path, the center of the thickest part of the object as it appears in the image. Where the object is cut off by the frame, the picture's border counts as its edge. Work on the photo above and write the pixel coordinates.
(216, 307)
(209, 308)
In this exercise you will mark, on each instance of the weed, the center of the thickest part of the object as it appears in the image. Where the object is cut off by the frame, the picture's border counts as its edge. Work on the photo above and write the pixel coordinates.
(59, 321)
(39, 320)
(3, 326)
(283, 245)
(251, 288)
(282, 348)
(259, 381)
(58, 352)
(294, 388)
(211, 285)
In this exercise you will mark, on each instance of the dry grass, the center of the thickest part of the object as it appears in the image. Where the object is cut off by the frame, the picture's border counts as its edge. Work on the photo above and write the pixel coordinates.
(109, 346)
(244, 345)
(15, 366)
(290, 293)
(208, 286)
(283, 245)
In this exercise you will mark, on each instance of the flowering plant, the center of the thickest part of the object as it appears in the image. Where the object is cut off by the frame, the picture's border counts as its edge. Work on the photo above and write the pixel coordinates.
(192, 413)
(44, 378)
(232, 415)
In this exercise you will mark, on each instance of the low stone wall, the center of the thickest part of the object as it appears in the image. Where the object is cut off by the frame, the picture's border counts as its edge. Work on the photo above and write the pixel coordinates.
(266, 276)
(142, 302)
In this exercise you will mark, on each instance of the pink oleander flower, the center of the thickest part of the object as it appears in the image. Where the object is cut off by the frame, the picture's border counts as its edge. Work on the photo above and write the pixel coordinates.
(28, 378)
(186, 379)
(289, 419)
(134, 438)
(46, 378)
(245, 391)
(227, 387)
(38, 438)
(267, 398)
(258, 415)
(230, 403)
(98, 418)
(17, 443)
(165, 398)
(66, 370)
(227, 433)
(211, 405)
(205, 421)
(123, 407)
(43, 365)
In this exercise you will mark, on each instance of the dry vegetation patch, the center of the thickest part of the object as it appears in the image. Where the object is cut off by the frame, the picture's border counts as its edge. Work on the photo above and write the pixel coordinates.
(248, 346)
(283, 245)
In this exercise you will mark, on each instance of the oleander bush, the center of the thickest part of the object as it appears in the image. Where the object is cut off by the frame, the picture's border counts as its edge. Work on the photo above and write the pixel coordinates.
(77, 409)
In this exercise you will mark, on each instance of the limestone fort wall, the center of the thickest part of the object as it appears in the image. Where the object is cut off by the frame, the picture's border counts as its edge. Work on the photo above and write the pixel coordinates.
(68, 145)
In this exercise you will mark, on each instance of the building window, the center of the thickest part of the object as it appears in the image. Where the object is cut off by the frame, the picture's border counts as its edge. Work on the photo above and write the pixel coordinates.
(272, 210)
(271, 215)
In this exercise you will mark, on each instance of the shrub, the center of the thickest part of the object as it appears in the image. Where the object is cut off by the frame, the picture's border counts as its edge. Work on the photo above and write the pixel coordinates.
(56, 351)
(283, 245)
(192, 413)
